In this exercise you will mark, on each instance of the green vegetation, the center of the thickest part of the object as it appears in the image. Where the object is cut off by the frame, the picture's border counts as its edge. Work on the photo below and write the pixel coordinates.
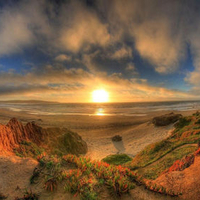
(198, 121)
(64, 141)
(86, 178)
(28, 149)
(155, 169)
(197, 114)
(156, 158)
(185, 121)
(117, 159)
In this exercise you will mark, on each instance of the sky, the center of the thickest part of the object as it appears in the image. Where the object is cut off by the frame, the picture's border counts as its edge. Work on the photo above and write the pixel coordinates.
(136, 50)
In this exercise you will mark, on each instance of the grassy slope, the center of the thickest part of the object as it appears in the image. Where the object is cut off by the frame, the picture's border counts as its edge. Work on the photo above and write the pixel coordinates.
(155, 158)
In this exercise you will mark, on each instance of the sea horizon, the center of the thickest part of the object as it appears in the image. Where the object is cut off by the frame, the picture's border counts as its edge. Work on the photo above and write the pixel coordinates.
(99, 109)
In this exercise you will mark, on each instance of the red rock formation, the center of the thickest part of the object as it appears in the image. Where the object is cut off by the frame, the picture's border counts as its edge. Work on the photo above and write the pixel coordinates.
(34, 133)
(12, 134)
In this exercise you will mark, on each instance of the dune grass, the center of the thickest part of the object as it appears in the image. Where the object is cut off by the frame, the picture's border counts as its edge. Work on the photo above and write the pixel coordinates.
(28, 149)
(155, 169)
(117, 159)
(169, 150)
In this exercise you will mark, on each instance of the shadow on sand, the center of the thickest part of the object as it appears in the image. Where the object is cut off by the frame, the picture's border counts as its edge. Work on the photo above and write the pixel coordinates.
(119, 146)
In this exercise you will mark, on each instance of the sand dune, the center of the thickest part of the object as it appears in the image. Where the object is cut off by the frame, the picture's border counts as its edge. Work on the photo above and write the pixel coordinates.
(133, 140)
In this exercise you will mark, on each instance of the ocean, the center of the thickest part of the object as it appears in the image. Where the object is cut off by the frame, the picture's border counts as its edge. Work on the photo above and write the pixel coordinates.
(126, 109)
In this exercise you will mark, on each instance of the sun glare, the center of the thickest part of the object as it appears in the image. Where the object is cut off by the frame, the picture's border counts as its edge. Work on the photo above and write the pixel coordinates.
(100, 96)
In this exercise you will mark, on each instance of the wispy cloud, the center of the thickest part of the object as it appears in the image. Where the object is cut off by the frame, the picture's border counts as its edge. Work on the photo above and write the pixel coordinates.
(63, 57)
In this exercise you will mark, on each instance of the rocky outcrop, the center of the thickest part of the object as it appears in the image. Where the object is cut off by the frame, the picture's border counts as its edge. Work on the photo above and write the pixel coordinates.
(167, 119)
(117, 138)
(30, 131)
(63, 140)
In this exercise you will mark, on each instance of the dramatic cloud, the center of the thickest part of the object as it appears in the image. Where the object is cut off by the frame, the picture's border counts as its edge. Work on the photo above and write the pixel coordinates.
(83, 29)
(157, 27)
(123, 46)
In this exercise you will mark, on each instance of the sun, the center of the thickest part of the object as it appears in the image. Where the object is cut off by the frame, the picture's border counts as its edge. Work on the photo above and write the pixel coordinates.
(100, 96)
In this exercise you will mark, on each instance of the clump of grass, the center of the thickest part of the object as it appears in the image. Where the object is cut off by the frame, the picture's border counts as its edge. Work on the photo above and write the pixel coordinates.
(35, 175)
(160, 146)
(198, 121)
(196, 127)
(77, 182)
(117, 159)
(185, 121)
(28, 149)
(197, 114)
(51, 184)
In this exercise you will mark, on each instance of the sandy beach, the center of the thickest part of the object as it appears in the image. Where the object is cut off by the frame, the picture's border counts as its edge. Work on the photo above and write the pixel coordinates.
(97, 131)
(136, 131)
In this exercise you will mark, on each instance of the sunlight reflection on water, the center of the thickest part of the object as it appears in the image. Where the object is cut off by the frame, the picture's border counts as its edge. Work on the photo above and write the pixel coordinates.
(100, 112)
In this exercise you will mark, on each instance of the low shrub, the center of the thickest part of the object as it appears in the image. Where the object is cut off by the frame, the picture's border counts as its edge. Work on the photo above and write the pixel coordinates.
(51, 184)
(117, 159)
(28, 149)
